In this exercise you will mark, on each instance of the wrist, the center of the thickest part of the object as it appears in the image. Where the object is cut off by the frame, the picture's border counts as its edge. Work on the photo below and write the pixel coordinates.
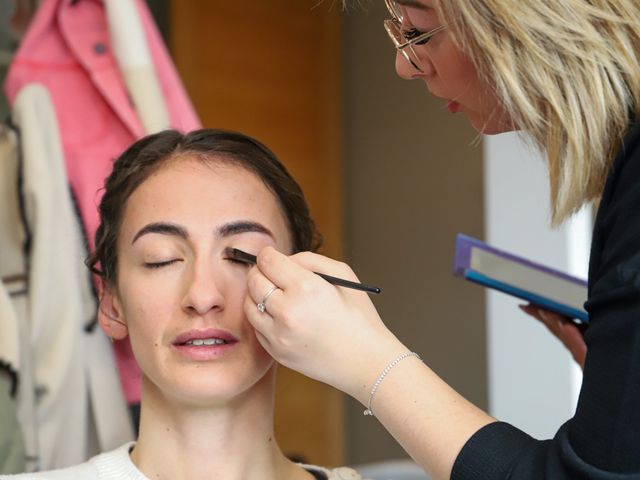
(369, 364)
(381, 377)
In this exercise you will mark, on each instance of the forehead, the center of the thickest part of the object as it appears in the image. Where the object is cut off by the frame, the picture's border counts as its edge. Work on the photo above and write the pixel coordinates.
(204, 192)
(412, 9)
(215, 173)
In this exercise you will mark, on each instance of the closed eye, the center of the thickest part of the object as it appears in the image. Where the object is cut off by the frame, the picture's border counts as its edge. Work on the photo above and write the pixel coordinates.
(153, 265)
(239, 261)
(238, 256)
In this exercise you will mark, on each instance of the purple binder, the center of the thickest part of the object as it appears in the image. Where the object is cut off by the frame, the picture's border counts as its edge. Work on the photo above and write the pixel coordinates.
(538, 284)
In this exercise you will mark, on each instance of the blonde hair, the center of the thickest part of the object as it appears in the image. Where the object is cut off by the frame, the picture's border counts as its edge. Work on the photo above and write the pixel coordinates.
(568, 73)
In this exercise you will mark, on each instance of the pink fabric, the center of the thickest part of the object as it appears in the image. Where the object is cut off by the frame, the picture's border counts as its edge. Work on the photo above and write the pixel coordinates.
(67, 49)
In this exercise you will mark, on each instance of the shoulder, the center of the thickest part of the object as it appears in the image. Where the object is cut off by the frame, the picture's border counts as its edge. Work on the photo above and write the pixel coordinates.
(113, 464)
(619, 210)
(632, 139)
(629, 151)
(117, 464)
(340, 473)
(630, 147)
(84, 471)
(626, 161)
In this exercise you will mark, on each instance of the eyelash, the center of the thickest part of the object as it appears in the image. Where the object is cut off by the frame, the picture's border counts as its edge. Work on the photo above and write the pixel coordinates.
(413, 33)
(238, 262)
(154, 265)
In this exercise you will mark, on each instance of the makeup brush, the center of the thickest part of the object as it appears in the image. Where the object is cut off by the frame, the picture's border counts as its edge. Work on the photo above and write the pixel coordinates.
(251, 259)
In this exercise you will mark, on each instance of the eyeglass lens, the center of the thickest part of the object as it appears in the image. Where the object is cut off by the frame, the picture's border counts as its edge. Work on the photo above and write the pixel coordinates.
(395, 10)
(398, 38)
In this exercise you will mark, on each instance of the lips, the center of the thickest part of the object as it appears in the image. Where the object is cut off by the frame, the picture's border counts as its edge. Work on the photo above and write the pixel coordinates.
(453, 106)
(205, 345)
(207, 337)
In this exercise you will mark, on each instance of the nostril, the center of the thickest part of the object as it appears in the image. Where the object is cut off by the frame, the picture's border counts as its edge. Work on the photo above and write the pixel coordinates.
(199, 300)
(202, 289)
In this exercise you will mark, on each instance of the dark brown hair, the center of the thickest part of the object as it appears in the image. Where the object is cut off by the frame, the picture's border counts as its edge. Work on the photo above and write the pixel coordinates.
(149, 153)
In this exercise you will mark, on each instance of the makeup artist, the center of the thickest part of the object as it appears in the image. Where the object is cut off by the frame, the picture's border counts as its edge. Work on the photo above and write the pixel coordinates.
(567, 73)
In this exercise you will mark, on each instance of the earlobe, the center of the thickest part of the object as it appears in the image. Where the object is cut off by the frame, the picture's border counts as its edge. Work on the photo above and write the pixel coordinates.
(110, 314)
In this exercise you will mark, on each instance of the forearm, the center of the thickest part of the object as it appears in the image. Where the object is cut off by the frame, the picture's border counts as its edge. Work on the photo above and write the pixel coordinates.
(336, 336)
(426, 416)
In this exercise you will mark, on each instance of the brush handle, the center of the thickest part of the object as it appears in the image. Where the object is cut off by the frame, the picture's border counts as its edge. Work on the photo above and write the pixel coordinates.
(341, 282)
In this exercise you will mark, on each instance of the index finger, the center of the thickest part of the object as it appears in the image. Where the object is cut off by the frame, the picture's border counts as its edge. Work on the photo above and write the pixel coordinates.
(280, 269)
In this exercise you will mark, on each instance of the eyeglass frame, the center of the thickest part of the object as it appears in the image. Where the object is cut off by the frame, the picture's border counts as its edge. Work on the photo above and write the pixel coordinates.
(395, 23)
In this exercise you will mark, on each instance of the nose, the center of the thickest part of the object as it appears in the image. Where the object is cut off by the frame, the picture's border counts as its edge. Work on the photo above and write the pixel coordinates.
(404, 69)
(202, 290)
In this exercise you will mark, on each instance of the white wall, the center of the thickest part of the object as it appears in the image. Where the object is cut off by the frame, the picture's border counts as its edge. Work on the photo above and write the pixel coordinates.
(533, 381)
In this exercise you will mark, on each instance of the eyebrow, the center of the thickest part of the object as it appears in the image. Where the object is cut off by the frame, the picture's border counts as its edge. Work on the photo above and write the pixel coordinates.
(226, 230)
(162, 228)
(243, 226)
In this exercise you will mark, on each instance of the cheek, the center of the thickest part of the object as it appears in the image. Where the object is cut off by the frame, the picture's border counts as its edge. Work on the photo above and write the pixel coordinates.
(143, 320)
(457, 73)
(144, 306)
(258, 356)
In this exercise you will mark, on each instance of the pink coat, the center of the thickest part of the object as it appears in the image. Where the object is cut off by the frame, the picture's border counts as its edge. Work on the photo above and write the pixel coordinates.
(68, 50)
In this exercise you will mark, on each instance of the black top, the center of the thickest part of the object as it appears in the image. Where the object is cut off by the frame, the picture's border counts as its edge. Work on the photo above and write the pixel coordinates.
(602, 440)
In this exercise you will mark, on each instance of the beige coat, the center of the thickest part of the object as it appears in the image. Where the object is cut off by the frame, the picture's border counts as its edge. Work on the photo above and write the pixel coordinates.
(69, 401)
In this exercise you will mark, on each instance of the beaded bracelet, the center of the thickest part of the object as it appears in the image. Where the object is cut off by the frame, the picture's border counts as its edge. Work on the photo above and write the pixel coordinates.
(384, 373)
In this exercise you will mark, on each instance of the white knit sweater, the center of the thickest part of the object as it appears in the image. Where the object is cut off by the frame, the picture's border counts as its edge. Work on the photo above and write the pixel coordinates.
(117, 465)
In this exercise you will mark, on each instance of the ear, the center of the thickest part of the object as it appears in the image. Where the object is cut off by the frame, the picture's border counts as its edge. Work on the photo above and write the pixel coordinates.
(110, 315)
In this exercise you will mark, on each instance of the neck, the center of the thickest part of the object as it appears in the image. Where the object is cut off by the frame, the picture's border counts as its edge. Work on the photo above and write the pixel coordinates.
(232, 440)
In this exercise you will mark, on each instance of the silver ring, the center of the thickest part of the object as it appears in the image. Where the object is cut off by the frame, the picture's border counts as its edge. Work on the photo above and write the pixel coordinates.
(262, 305)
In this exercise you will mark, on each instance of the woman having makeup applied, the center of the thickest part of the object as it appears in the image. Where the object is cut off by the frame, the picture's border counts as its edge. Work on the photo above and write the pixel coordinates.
(567, 74)
(174, 209)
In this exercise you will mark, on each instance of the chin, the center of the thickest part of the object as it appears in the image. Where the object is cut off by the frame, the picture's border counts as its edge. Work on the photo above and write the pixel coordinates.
(214, 394)
(495, 131)
(491, 126)
(209, 385)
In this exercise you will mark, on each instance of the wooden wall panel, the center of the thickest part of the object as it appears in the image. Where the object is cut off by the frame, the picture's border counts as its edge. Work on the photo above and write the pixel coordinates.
(272, 70)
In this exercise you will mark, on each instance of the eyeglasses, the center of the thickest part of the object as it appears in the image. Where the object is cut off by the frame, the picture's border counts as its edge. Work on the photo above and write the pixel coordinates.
(405, 40)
